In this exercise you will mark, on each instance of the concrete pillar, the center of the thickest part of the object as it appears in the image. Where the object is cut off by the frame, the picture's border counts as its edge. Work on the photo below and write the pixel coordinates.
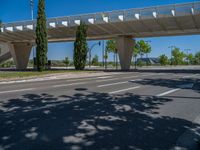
(125, 50)
(20, 53)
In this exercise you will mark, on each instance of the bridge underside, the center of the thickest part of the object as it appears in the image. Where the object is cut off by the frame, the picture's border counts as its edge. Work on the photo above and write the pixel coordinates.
(170, 20)
(170, 26)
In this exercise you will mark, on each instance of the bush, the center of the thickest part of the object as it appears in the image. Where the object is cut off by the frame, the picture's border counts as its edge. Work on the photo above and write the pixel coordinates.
(163, 59)
(95, 60)
(140, 63)
(7, 64)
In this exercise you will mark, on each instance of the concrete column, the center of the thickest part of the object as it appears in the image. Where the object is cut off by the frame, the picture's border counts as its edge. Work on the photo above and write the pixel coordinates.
(125, 50)
(20, 53)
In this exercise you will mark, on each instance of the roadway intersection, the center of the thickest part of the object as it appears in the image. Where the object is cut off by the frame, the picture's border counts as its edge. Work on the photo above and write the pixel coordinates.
(132, 110)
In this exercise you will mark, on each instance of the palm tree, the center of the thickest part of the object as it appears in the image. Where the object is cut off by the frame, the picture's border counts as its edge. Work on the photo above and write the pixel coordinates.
(135, 54)
(142, 48)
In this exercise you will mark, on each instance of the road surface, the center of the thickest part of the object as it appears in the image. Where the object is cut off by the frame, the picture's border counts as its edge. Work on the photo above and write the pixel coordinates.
(132, 110)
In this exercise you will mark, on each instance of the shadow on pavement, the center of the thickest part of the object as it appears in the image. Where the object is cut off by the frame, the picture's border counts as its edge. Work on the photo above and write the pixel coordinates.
(89, 121)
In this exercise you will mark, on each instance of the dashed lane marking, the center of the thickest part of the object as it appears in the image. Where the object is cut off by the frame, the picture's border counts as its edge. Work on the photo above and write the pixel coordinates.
(71, 84)
(123, 90)
(168, 92)
(13, 91)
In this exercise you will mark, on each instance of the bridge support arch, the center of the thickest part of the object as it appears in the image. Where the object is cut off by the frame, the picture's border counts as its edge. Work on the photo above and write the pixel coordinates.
(125, 51)
(20, 53)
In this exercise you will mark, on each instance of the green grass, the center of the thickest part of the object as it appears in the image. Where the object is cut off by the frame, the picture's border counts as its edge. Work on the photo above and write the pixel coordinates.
(29, 74)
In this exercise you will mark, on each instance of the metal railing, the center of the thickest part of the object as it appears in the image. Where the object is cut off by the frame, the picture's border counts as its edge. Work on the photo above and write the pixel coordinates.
(111, 17)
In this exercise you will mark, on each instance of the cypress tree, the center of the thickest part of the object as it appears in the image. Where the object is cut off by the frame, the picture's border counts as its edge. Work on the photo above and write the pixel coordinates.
(41, 37)
(80, 47)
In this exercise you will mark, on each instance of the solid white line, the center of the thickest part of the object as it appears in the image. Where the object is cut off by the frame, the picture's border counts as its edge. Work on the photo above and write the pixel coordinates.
(65, 85)
(13, 91)
(105, 85)
(168, 92)
(123, 90)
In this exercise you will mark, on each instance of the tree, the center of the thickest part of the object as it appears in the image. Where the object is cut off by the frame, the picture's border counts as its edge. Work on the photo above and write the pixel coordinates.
(41, 37)
(111, 47)
(106, 58)
(95, 60)
(190, 59)
(80, 47)
(163, 59)
(177, 56)
(142, 48)
(135, 55)
(197, 58)
(66, 61)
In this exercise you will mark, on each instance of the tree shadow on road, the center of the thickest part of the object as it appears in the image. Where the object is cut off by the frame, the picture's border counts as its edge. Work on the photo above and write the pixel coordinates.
(89, 121)
(184, 83)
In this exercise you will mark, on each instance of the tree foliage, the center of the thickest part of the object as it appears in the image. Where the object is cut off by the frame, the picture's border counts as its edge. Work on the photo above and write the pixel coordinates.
(177, 56)
(135, 51)
(163, 59)
(66, 61)
(111, 47)
(95, 60)
(80, 47)
(197, 58)
(142, 47)
(41, 37)
(190, 59)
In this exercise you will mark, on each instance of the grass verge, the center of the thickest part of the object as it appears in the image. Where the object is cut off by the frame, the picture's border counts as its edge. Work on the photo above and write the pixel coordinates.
(28, 74)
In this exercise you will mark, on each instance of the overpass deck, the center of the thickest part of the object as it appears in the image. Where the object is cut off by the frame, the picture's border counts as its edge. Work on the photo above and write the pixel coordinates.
(168, 20)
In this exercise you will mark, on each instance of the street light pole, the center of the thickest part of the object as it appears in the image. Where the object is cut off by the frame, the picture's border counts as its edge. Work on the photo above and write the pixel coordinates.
(32, 17)
(90, 50)
(171, 47)
(149, 41)
(32, 8)
(103, 52)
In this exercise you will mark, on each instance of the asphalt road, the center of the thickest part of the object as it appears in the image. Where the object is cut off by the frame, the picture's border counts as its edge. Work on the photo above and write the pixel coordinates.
(133, 110)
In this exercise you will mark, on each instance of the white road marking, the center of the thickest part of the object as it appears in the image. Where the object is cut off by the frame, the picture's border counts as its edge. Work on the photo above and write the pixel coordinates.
(135, 80)
(142, 75)
(13, 91)
(129, 77)
(71, 84)
(104, 77)
(78, 79)
(117, 83)
(107, 80)
(168, 92)
(123, 90)
(190, 76)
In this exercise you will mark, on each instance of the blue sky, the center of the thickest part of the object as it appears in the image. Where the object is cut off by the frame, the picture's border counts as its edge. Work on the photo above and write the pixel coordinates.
(18, 10)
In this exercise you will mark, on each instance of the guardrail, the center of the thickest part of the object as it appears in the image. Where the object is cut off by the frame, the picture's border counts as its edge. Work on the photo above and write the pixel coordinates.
(174, 10)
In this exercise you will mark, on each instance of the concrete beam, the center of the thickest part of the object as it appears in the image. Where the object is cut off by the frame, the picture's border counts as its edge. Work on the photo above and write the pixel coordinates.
(125, 50)
(20, 53)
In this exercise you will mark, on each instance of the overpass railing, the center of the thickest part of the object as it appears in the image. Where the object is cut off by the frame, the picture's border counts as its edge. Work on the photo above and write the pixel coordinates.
(135, 14)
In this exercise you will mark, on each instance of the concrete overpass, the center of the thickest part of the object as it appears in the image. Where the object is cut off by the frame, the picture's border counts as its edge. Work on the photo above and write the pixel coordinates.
(123, 25)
